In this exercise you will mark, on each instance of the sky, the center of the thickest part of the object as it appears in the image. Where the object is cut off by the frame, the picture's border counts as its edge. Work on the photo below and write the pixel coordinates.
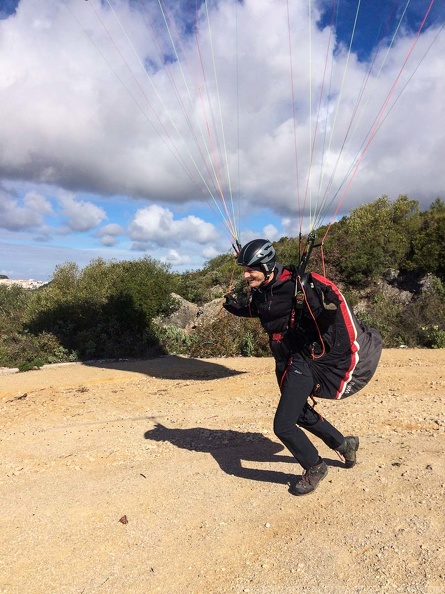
(134, 128)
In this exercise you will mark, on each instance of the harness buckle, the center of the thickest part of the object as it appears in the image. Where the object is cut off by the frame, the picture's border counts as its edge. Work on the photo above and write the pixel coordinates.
(277, 336)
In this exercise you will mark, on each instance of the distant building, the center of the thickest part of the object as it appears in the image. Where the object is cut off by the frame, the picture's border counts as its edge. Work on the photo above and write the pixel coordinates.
(25, 284)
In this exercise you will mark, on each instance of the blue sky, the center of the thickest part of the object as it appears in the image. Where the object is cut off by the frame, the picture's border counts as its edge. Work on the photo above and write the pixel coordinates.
(99, 158)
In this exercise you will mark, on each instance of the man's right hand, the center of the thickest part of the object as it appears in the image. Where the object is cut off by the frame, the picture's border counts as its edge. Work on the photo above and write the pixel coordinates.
(230, 299)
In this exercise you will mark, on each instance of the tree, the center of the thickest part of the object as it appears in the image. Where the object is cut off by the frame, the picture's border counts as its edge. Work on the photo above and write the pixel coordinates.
(376, 236)
(429, 241)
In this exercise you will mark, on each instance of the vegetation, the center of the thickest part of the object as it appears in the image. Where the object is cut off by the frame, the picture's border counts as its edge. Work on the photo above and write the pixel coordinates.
(383, 234)
(230, 338)
(103, 311)
(209, 283)
(108, 309)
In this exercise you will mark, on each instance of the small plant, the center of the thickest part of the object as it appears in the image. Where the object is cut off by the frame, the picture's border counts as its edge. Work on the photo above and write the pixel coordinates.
(175, 340)
(247, 345)
(434, 337)
(229, 336)
(29, 365)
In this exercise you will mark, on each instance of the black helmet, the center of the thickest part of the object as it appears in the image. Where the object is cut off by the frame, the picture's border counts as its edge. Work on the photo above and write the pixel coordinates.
(258, 253)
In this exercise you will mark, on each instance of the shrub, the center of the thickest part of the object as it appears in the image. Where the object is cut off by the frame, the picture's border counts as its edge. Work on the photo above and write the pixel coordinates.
(198, 286)
(174, 340)
(24, 348)
(104, 311)
(419, 323)
(229, 336)
(433, 337)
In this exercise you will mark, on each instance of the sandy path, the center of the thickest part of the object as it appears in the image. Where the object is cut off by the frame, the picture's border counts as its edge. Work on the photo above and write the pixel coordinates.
(184, 449)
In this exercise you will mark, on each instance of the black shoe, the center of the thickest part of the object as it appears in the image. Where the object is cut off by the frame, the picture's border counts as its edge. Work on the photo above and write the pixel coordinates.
(348, 450)
(310, 479)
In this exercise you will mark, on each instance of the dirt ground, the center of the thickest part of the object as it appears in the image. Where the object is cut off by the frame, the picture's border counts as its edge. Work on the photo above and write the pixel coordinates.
(165, 476)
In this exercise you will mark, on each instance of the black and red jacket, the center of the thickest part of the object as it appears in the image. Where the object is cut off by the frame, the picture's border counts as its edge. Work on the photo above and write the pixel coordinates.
(342, 352)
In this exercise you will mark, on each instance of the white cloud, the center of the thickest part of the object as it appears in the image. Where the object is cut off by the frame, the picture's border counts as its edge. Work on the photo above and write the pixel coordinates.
(176, 259)
(155, 224)
(111, 229)
(88, 121)
(271, 232)
(211, 251)
(81, 215)
(16, 214)
(39, 263)
(109, 234)
(108, 240)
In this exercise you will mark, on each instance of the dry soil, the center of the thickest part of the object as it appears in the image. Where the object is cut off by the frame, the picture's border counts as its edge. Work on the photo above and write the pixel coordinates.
(165, 476)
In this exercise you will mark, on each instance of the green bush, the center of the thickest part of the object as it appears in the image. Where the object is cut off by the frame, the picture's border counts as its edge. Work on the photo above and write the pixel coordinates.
(13, 303)
(434, 337)
(420, 323)
(31, 364)
(198, 286)
(24, 348)
(174, 340)
(13, 343)
(229, 336)
(103, 311)
(428, 244)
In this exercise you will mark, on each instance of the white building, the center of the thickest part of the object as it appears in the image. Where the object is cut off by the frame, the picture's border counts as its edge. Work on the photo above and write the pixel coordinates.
(26, 284)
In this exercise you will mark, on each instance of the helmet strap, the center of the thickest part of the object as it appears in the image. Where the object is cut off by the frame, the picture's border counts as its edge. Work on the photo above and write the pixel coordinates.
(267, 276)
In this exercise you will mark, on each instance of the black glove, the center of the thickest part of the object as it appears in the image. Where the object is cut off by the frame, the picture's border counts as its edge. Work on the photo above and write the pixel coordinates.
(230, 299)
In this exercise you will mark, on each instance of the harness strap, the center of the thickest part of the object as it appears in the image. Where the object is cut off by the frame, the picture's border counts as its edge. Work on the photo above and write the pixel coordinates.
(314, 404)
(285, 372)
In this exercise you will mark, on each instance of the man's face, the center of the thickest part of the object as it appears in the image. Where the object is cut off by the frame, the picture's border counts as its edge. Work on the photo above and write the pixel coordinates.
(254, 277)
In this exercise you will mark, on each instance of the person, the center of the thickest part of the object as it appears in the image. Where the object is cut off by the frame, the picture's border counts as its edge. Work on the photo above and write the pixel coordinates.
(320, 349)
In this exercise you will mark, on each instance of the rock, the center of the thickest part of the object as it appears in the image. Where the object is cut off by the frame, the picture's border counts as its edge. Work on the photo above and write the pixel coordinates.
(390, 275)
(427, 283)
(183, 317)
(207, 313)
(189, 315)
(397, 295)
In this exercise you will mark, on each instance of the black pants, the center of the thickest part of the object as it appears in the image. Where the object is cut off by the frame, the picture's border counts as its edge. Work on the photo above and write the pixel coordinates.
(296, 384)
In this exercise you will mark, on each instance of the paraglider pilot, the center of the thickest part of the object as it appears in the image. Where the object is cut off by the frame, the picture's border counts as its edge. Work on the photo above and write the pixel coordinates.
(320, 349)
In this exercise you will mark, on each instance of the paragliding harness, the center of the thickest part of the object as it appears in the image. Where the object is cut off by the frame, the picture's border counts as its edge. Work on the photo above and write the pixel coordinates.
(301, 278)
(338, 369)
